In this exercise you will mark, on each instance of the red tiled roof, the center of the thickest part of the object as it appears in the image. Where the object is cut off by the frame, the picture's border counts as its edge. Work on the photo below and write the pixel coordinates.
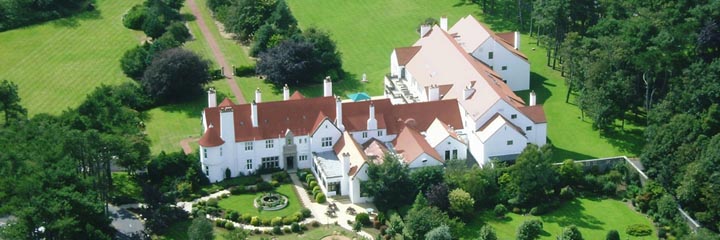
(296, 96)
(353, 170)
(508, 37)
(535, 113)
(211, 138)
(411, 144)
(375, 150)
(405, 54)
(226, 103)
(339, 145)
(302, 116)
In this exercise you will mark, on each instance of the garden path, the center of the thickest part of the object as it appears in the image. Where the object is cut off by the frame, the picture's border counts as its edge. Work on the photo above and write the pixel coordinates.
(219, 57)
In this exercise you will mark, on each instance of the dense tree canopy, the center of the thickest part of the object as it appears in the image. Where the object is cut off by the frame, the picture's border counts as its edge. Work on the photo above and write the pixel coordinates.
(18, 13)
(175, 75)
(389, 183)
(532, 179)
(10, 102)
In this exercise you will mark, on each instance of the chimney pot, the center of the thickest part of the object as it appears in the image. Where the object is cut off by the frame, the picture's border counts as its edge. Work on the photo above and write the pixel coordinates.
(424, 29)
(444, 23)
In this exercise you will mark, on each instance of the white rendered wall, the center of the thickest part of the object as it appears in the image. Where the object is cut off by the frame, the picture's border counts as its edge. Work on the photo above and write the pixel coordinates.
(394, 68)
(418, 162)
(497, 143)
(517, 74)
(326, 129)
(450, 144)
(355, 186)
(535, 135)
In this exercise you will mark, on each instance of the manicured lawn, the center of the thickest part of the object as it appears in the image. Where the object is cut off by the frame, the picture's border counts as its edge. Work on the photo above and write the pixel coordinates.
(593, 216)
(57, 63)
(167, 125)
(367, 31)
(315, 233)
(244, 203)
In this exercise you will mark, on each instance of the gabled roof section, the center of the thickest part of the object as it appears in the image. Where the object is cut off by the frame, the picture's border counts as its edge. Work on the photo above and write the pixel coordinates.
(411, 144)
(296, 96)
(321, 117)
(226, 103)
(439, 131)
(211, 138)
(405, 54)
(535, 113)
(494, 124)
(357, 155)
(375, 150)
(471, 33)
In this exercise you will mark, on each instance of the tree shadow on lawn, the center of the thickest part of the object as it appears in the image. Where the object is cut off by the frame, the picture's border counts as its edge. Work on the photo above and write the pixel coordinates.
(191, 108)
(560, 154)
(572, 213)
(75, 20)
(539, 84)
(627, 140)
(349, 83)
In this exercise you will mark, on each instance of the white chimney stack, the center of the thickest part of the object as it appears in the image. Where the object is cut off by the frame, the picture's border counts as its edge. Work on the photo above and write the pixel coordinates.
(286, 93)
(424, 29)
(254, 114)
(371, 122)
(258, 95)
(327, 87)
(345, 161)
(468, 92)
(433, 93)
(444, 23)
(338, 114)
(533, 98)
(227, 125)
(517, 40)
(212, 98)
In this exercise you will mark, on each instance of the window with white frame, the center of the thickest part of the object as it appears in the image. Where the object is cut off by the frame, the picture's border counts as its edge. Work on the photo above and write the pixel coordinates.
(503, 68)
(513, 116)
(269, 143)
(326, 141)
(205, 152)
(510, 142)
(380, 133)
(248, 146)
(528, 128)
(302, 157)
(271, 162)
(364, 134)
(221, 151)
(490, 55)
(248, 164)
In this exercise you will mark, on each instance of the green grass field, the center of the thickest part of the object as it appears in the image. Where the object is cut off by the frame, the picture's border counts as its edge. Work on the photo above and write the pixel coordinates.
(57, 63)
(367, 31)
(243, 203)
(593, 216)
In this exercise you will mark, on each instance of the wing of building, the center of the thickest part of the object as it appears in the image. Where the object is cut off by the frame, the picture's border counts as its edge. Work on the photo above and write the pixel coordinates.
(334, 139)
(480, 69)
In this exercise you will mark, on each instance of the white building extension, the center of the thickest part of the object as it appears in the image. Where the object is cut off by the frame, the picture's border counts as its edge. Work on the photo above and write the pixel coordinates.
(480, 69)
(333, 138)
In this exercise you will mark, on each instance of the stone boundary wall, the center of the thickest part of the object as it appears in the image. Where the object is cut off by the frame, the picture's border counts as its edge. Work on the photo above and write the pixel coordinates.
(604, 163)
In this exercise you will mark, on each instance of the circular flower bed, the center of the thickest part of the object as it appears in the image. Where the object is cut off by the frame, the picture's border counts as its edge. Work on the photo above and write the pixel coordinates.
(271, 201)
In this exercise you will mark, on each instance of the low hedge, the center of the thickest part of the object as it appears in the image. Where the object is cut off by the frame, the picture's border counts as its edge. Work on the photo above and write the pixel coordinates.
(638, 230)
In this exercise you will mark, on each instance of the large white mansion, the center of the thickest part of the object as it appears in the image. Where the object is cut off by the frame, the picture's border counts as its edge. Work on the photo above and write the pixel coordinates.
(442, 103)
